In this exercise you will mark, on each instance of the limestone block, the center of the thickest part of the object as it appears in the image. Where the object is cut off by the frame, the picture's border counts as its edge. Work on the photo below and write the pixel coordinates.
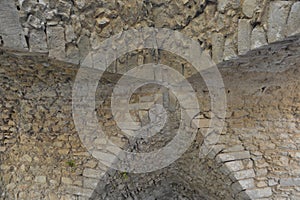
(293, 23)
(258, 38)
(34, 22)
(223, 5)
(259, 193)
(278, 13)
(249, 7)
(90, 183)
(70, 34)
(38, 41)
(243, 185)
(92, 173)
(244, 36)
(217, 47)
(56, 42)
(244, 174)
(40, 179)
(289, 182)
(11, 33)
(79, 191)
(229, 50)
(233, 156)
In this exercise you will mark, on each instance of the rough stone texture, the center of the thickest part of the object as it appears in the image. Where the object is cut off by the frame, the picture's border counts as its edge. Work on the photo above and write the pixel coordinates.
(255, 154)
(244, 36)
(217, 47)
(278, 14)
(38, 41)
(87, 24)
(258, 38)
(293, 23)
(11, 33)
(249, 7)
(56, 42)
(260, 140)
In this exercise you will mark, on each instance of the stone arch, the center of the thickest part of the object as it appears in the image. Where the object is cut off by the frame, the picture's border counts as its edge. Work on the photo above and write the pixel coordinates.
(252, 174)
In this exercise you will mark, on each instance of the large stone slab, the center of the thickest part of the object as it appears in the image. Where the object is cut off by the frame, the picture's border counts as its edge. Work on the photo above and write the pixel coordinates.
(293, 25)
(11, 32)
(278, 14)
(38, 41)
(244, 36)
(56, 42)
(258, 37)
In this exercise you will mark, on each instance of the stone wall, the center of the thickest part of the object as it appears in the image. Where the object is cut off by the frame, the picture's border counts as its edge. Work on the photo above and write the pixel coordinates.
(67, 30)
(256, 157)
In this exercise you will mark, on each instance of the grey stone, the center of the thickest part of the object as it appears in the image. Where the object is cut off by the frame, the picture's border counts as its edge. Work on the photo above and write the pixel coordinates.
(234, 166)
(64, 8)
(34, 22)
(90, 183)
(56, 42)
(278, 14)
(259, 193)
(11, 32)
(243, 185)
(293, 24)
(244, 36)
(69, 32)
(40, 179)
(72, 54)
(224, 157)
(272, 182)
(258, 38)
(80, 3)
(92, 173)
(289, 182)
(217, 47)
(244, 174)
(223, 5)
(249, 7)
(229, 50)
(79, 191)
(38, 41)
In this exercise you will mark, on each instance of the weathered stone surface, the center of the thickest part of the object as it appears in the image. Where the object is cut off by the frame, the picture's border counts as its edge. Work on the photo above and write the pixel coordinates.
(38, 41)
(244, 36)
(229, 50)
(217, 47)
(293, 23)
(92, 173)
(289, 182)
(56, 42)
(225, 4)
(11, 33)
(249, 6)
(278, 14)
(243, 185)
(259, 193)
(233, 156)
(90, 183)
(74, 190)
(258, 37)
(69, 33)
(34, 22)
(244, 174)
(41, 179)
